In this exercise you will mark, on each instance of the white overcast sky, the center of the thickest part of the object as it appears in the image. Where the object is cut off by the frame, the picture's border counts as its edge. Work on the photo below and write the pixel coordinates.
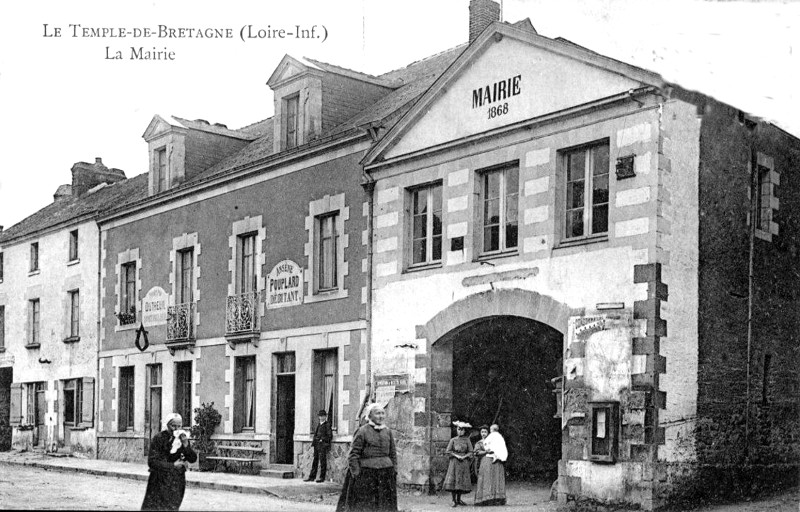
(61, 102)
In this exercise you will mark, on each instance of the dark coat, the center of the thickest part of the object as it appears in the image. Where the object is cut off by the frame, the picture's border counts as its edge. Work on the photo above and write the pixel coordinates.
(167, 483)
(323, 436)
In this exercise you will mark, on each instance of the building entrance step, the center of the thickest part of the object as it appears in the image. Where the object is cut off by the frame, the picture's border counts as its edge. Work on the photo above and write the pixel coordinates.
(278, 471)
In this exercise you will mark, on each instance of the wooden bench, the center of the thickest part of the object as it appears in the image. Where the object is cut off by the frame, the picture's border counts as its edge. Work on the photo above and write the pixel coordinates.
(240, 461)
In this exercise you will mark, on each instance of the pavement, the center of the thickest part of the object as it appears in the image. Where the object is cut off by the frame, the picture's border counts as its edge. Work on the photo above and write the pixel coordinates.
(290, 488)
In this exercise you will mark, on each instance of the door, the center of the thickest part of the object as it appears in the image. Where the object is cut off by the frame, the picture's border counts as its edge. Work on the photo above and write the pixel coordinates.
(284, 442)
(40, 431)
(152, 405)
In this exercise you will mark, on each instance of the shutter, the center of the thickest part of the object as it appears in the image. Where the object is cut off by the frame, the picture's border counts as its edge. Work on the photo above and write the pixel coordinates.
(238, 397)
(87, 399)
(122, 402)
(16, 404)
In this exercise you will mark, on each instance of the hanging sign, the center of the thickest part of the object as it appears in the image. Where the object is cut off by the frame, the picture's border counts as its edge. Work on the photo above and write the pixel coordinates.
(285, 285)
(154, 307)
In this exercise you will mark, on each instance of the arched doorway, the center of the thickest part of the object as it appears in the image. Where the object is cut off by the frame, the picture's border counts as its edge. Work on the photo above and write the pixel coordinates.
(493, 356)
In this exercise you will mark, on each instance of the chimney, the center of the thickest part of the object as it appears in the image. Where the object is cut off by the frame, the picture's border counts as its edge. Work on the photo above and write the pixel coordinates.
(482, 13)
(63, 192)
(86, 176)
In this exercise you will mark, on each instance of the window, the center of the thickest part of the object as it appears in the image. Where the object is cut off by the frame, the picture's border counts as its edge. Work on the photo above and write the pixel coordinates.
(126, 399)
(161, 170)
(73, 401)
(74, 313)
(245, 394)
(500, 198)
(153, 402)
(34, 256)
(765, 379)
(247, 261)
(183, 391)
(73, 245)
(325, 396)
(327, 267)
(605, 426)
(185, 275)
(586, 191)
(2, 327)
(127, 309)
(1, 267)
(291, 104)
(763, 202)
(33, 321)
(426, 224)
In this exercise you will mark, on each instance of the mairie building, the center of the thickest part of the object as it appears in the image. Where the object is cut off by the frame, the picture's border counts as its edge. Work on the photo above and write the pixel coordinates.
(517, 231)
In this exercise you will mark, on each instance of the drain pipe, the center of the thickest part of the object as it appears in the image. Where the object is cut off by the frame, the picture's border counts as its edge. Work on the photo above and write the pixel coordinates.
(369, 187)
(97, 391)
(750, 286)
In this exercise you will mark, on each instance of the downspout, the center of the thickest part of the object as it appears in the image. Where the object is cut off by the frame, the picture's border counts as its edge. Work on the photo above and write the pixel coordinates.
(97, 358)
(369, 188)
(750, 286)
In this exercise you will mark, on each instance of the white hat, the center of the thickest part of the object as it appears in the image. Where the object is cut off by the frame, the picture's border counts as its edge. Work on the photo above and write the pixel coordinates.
(462, 424)
(371, 407)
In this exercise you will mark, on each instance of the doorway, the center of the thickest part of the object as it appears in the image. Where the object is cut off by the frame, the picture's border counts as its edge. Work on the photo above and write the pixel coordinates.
(6, 378)
(284, 408)
(152, 406)
(501, 372)
(37, 412)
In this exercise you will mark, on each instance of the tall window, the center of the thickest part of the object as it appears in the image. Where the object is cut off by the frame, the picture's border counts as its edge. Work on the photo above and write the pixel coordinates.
(292, 104)
(1, 267)
(33, 321)
(34, 256)
(604, 433)
(326, 261)
(161, 170)
(245, 396)
(153, 402)
(500, 194)
(426, 229)
(247, 261)
(128, 302)
(183, 391)
(763, 195)
(126, 399)
(2, 327)
(587, 191)
(73, 245)
(325, 396)
(73, 401)
(185, 275)
(74, 313)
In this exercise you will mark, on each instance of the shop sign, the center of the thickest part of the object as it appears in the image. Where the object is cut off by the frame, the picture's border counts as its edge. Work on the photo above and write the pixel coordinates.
(154, 307)
(398, 381)
(285, 285)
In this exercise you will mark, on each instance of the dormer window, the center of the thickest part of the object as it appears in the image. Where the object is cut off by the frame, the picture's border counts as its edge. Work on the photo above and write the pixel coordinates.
(161, 170)
(292, 104)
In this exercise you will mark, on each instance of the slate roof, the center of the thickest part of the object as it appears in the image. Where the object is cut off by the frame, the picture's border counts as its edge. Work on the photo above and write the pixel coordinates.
(216, 128)
(68, 209)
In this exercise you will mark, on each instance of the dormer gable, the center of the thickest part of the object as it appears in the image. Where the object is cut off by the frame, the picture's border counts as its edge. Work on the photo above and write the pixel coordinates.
(179, 148)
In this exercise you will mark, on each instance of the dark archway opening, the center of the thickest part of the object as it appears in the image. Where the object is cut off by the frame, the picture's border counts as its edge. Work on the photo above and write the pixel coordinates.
(502, 371)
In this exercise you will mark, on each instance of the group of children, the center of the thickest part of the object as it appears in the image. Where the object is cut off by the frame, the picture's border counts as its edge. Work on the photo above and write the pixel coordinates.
(489, 455)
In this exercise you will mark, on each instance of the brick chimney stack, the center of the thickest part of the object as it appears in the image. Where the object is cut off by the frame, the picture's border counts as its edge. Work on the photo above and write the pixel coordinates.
(482, 13)
(86, 176)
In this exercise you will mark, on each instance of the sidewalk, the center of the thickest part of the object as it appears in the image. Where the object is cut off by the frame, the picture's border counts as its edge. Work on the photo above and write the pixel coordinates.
(293, 489)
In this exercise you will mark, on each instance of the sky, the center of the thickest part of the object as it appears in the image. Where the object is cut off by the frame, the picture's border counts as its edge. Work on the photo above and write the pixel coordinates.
(63, 101)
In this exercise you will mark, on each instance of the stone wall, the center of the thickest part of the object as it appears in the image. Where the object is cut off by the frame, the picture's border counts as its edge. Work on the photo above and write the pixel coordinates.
(121, 449)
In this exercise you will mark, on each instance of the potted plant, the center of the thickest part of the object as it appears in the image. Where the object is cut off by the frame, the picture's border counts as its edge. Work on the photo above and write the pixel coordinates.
(206, 420)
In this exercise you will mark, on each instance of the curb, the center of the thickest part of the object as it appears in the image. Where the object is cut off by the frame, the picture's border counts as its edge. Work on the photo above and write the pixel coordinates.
(242, 489)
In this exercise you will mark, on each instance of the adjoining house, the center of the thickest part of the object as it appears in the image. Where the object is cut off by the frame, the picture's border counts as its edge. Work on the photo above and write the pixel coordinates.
(48, 315)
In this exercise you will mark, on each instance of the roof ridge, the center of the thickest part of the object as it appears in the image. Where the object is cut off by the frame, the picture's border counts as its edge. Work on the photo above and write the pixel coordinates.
(253, 124)
(424, 59)
(317, 61)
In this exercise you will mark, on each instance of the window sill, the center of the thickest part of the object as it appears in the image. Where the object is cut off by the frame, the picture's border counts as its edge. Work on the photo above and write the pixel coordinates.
(2, 349)
(72, 339)
(126, 327)
(78, 428)
(338, 293)
(33, 345)
(582, 241)
(73, 262)
(419, 267)
(497, 255)
(34, 272)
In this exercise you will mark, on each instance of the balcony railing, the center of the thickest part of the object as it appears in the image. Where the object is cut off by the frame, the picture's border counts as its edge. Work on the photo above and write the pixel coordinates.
(241, 314)
(180, 322)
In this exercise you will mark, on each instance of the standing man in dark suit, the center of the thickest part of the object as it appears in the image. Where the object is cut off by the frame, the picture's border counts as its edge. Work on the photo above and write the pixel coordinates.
(321, 443)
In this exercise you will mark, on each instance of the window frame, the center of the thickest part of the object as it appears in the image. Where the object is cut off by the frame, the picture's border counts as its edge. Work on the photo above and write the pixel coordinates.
(241, 366)
(34, 321)
(184, 393)
(127, 381)
(128, 289)
(291, 128)
(73, 246)
(184, 283)
(502, 225)
(763, 211)
(34, 267)
(161, 165)
(611, 424)
(429, 190)
(77, 402)
(74, 314)
(331, 217)
(2, 327)
(588, 204)
(242, 279)
(318, 375)
(2, 265)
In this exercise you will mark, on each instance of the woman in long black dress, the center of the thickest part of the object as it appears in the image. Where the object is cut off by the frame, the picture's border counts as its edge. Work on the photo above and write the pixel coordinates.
(167, 482)
(371, 480)
(457, 480)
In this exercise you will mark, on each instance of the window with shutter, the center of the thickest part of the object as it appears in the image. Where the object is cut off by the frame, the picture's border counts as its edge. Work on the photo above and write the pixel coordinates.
(87, 402)
(15, 417)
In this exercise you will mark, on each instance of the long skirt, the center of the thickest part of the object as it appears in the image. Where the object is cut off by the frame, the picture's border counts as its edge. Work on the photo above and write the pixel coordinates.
(372, 490)
(491, 489)
(165, 490)
(457, 478)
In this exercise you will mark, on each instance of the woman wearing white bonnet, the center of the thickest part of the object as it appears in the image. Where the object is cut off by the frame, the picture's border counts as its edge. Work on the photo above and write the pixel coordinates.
(168, 459)
(371, 480)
